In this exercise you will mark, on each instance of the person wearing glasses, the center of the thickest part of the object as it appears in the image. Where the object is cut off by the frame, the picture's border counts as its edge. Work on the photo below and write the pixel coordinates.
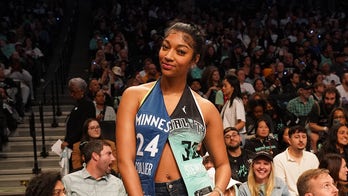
(316, 182)
(91, 131)
(47, 183)
(239, 158)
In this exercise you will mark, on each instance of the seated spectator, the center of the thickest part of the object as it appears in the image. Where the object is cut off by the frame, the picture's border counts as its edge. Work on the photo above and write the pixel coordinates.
(212, 83)
(244, 86)
(256, 110)
(316, 182)
(337, 167)
(336, 142)
(280, 117)
(301, 105)
(93, 88)
(98, 157)
(238, 157)
(338, 115)
(96, 68)
(152, 74)
(290, 89)
(318, 117)
(10, 114)
(46, 184)
(103, 111)
(259, 86)
(195, 85)
(291, 163)
(117, 82)
(17, 73)
(91, 131)
(35, 58)
(330, 78)
(11, 95)
(262, 140)
(261, 178)
(318, 90)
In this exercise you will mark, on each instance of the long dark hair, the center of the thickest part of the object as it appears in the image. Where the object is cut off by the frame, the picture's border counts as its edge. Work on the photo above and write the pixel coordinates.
(85, 136)
(332, 162)
(234, 82)
(329, 146)
(43, 184)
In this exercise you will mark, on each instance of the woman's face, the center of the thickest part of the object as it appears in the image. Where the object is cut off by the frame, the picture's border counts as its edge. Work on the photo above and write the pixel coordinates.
(227, 88)
(342, 136)
(94, 130)
(216, 76)
(259, 86)
(176, 54)
(257, 69)
(262, 130)
(99, 97)
(339, 116)
(342, 174)
(262, 170)
(59, 189)
(258, 111)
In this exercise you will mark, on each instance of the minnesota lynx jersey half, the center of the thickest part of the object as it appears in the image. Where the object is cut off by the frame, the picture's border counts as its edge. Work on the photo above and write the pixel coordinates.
(184, 129)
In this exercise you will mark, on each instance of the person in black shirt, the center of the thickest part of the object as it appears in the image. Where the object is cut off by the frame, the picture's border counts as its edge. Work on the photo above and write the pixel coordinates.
(239, 158)
(83, 109)
(263, 140)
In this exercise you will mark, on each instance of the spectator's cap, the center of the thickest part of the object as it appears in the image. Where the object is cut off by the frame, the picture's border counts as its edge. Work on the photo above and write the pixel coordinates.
(292, 38)
(223, 58)
(153, 32)
(264, 155)
(305, 85)
(117, 70)
(18, 44)
(257, 48)
(228, 129)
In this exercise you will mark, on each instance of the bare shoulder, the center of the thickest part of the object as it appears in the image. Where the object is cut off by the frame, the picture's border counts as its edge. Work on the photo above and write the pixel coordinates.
(137, 92)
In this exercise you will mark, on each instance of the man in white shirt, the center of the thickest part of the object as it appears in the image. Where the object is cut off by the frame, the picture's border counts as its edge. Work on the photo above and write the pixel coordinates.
(291, 163)
(244, 86)
(343, 89)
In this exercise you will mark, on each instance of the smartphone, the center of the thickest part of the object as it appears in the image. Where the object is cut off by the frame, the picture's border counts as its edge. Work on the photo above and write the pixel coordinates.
(204, 191)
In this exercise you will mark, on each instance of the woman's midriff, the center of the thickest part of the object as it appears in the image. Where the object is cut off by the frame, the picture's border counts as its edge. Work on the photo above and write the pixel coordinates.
(167, 168)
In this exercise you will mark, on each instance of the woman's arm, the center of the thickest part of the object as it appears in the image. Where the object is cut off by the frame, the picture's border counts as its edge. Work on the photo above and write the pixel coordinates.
(215, 145)
(126, 140)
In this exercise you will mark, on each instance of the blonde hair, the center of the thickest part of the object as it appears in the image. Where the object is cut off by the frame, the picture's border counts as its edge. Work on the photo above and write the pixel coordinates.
(254, 187)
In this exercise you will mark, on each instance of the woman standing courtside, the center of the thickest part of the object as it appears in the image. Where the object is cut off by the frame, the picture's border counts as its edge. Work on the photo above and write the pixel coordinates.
(160, 124)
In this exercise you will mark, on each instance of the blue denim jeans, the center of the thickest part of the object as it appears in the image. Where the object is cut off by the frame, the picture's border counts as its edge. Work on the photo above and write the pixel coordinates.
(173, 188)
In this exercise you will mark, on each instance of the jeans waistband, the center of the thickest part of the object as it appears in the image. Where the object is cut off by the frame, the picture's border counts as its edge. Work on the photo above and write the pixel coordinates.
(172, 183)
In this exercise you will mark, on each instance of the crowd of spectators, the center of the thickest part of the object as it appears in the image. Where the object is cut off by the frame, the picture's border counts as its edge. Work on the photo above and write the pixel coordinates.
(289, 58)
(28, 30)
